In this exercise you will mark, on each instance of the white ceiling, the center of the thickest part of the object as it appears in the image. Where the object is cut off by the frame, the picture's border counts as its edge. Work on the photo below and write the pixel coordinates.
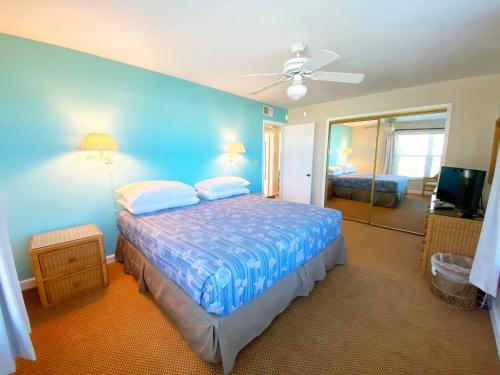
(395, 43)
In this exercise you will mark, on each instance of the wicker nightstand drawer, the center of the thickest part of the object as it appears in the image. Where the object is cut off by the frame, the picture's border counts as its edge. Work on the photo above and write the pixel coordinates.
(69, 286)
(68, 262)
(70, 259)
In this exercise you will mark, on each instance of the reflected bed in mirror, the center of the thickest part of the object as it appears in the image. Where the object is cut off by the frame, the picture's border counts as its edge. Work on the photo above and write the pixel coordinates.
(383, 170)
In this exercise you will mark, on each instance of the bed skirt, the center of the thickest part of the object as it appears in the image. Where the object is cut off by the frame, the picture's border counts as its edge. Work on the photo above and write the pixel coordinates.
(391, 200)
(220, 338)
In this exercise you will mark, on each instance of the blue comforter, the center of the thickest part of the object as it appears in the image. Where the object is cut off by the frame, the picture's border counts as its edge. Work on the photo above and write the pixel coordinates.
(226, 252)
(386, 183)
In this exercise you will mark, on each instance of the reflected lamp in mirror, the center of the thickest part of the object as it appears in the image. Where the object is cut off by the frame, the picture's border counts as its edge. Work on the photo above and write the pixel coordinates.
(346, 151)
(234, 149)
(101, 142)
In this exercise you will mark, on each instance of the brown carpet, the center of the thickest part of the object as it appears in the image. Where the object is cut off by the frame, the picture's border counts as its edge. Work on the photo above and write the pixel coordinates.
(409, 215)
(351, 209)
(374, 315)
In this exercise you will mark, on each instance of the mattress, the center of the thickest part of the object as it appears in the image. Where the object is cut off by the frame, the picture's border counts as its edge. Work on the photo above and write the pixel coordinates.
(383, 183)
(225, 253)
(220, 338)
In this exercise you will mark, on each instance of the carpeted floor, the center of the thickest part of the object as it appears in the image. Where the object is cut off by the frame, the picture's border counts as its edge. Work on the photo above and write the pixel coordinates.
(375, 315)
(351, 209)
(409, 215)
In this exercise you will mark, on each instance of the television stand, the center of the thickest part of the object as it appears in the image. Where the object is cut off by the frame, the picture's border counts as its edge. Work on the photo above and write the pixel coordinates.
(441, 205)
(448, 232)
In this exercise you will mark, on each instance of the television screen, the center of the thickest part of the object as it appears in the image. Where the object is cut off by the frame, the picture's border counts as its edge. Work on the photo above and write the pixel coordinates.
(461, 187)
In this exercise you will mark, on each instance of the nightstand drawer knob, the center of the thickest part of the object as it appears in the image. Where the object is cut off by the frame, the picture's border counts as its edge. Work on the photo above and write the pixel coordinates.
(76, 285)
(72, 260)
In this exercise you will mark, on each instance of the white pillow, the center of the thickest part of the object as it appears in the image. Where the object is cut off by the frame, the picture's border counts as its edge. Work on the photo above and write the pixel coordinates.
(154, 192)
(151, 207)
(210, 195)
(348, 168)
(221, 183)
(335, 170)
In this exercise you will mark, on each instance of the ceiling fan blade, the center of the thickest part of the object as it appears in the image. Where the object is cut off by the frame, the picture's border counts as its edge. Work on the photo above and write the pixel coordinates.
(324, 57)
(263, 74)
(276, 83)
(338, 77)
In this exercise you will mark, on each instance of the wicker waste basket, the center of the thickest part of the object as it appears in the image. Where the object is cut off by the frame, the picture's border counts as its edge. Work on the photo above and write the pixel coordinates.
(450, 281)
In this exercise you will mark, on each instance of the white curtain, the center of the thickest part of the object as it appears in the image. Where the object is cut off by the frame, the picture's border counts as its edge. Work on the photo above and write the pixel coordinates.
(390, 151)
(14, 324)
(486, 267)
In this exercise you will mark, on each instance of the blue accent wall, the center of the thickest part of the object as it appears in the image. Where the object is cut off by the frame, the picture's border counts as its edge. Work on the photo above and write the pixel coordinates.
(166, 128)
(340, 137)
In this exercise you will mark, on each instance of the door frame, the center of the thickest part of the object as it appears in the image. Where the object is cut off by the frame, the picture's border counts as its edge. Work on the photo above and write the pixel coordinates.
(313, 124)
(324, 170)
(271, 123)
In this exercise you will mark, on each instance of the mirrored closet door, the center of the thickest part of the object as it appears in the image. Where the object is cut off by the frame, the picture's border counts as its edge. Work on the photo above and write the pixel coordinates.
(350, 168)
(409, 160)
(383, 170)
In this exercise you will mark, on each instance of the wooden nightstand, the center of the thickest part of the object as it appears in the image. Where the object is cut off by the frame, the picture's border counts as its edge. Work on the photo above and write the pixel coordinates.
(68, 262)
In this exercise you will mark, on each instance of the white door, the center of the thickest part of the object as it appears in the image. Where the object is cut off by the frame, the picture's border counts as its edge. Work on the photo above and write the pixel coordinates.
(297, 162)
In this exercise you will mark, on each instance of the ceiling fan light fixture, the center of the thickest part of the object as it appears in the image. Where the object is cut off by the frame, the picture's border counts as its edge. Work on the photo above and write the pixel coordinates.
(301, 68)
(296, 91)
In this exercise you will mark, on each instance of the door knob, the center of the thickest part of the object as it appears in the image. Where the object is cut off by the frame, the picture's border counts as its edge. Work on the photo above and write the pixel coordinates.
(308, 175)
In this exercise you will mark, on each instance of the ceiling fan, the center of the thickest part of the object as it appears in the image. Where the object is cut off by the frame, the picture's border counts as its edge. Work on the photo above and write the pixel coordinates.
(300, 68)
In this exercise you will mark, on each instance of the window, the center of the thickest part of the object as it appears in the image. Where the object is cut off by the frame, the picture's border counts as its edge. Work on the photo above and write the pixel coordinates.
(418, 153)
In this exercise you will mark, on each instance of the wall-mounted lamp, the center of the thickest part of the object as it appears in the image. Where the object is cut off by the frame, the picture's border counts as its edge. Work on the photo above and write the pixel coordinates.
(101, 142)
(233, 149)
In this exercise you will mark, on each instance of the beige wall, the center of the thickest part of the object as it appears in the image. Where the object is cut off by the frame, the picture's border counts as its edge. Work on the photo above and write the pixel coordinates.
(363, 146)
(476, 104)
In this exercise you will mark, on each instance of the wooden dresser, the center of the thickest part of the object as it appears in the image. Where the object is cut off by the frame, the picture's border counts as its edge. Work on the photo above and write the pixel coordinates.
(68, 262)
(447, 233)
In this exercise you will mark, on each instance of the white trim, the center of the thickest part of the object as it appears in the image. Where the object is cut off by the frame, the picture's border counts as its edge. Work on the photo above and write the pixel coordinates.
(28, 283)
(324, 177)
(264, 123)
(282, 141)
(31, 282)
(447, 106)
(275, 123)
(495, 322)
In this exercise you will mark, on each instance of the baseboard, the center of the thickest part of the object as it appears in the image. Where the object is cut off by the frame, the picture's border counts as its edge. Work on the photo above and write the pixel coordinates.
(110, 258)
(495, 322)
(31, 283)
(27, 283)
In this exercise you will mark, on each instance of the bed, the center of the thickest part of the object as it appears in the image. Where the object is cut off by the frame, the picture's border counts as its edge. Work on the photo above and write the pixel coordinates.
(223, 270)
(389, 191)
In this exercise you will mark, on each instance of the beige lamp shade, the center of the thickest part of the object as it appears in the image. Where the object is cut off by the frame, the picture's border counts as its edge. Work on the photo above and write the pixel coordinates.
(236, 148)
(100, 142)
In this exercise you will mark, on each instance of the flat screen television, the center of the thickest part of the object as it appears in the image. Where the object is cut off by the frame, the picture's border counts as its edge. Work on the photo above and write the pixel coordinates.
(461, 187)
